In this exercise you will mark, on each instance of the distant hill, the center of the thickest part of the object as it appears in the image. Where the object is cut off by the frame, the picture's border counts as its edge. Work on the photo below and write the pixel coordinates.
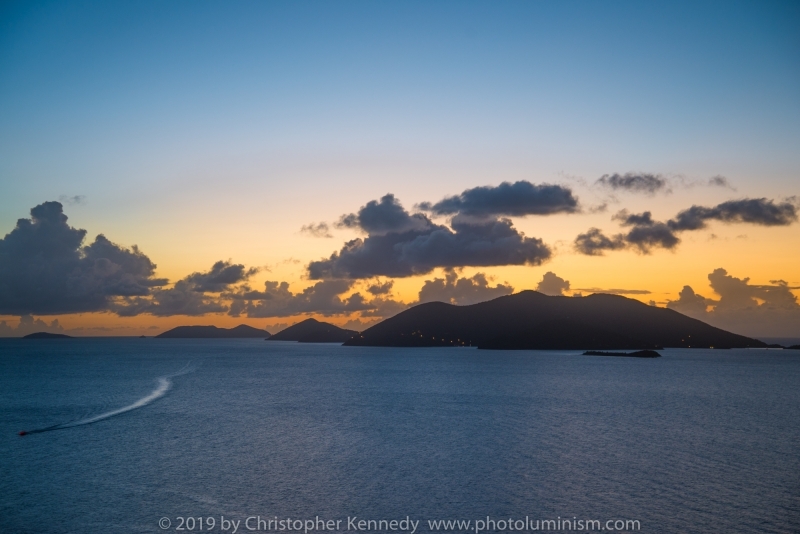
(531, 320)
(240, 331)
(313, 331)
(46, 335)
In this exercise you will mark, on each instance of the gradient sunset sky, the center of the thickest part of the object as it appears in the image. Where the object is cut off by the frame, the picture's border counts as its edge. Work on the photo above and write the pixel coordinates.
(371, 155)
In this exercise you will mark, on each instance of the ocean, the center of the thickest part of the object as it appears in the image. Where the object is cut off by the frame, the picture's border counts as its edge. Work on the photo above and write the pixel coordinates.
(147, 435)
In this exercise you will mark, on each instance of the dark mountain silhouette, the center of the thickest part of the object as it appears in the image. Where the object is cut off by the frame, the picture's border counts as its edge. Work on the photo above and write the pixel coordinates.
(313, 331)
(794, 347)
(46, 335)
(531, 320)
(240, 331)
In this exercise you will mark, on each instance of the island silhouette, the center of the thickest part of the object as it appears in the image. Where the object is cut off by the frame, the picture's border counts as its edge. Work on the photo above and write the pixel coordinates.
(532, 320)
(46, 335)
(241, 331)
(313, 331)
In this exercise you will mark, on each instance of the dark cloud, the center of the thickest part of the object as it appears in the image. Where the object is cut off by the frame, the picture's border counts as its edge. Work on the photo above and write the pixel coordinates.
(507, 199)
(649, 236)
(758, 211)
(277, 300)
(462, 291)
(552, 284)
(646, 234)
(317, 230)
(742, 307)
(399, 243)
(594, 242)
(419, 251)
(635, 182)
(626, 218)
(45, 268)
(384, 216)
(28, 325)
(381, 288)
(222, 275)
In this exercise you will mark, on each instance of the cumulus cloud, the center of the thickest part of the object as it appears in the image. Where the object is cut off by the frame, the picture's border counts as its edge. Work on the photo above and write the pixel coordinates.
(690, 303)
(317, 230)
(45, 269)
(28, 325)
(646, 234)
(552, 284)
(507, 199)
(769, 310)
(635, 182)
(400, 244)
(461, 291)
(380, 217)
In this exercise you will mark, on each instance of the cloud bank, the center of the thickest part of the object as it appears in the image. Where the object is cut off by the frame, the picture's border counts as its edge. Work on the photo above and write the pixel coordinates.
(276, 300)
(189, 296)
(28, 325)
(646, 234)
(400, 244)
(461, 291)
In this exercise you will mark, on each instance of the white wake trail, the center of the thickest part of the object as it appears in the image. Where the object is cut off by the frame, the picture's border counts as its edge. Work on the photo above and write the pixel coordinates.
(164, 385)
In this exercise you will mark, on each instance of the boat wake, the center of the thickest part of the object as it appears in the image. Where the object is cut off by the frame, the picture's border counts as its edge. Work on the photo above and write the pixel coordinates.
(164, 385)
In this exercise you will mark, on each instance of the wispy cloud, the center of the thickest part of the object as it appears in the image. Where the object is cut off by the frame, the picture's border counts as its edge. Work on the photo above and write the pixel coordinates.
(320, 229)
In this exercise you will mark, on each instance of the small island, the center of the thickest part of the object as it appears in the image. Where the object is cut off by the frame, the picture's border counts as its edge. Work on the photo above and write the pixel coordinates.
(46, 335)
(313, 331)
(637, 354)
(212, 332)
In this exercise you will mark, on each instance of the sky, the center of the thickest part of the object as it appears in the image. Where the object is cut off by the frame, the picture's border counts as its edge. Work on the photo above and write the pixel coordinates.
(273, 161)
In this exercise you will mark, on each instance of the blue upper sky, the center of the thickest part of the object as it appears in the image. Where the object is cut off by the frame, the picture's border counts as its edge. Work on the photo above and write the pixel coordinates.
(133, 85)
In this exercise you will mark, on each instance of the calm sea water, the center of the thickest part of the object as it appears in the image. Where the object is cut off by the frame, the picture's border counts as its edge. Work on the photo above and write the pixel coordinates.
(696, 441)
